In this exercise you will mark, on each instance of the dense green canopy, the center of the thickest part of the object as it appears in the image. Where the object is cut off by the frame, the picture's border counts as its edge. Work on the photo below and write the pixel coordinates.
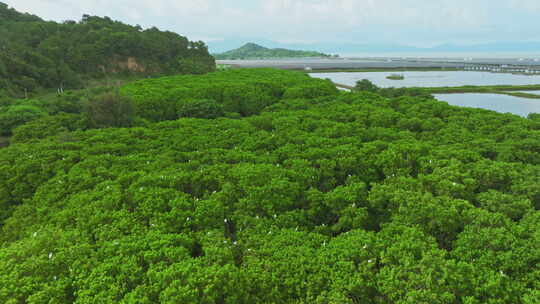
(235, 93)
(245, 92)
(317, 198)
(42, 54)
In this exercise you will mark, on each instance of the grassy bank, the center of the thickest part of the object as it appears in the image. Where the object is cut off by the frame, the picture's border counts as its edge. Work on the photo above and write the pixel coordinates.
(521, 95)
(367, 70)
(481, 89)
(497, 89)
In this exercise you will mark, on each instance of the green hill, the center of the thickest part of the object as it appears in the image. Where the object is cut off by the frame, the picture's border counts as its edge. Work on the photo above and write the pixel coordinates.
(37, 54)
(255, 51)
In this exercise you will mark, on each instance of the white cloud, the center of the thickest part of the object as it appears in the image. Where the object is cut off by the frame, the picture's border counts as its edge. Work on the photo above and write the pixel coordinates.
(382, 12)
(527, 5)
(415, 21)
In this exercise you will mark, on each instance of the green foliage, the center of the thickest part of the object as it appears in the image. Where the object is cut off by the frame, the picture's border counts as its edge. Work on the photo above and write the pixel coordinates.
(200, 108)
(365, 85)
(534, 116)
(55, 113)
(309, 91)
(4, 141)
(246, 92)
(48, 126)
(17, 115)
(316, 197)
(109, 110)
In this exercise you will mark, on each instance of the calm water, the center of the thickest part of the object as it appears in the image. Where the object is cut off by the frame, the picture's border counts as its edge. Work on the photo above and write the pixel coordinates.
(431, 79)
(495, 102)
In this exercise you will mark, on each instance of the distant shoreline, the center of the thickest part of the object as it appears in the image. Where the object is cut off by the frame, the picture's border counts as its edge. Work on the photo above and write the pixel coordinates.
(368, 70)
(327, 65)
(510, 90)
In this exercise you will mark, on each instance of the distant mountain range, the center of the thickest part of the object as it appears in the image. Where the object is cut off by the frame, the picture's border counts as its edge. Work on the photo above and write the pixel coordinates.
(255, 51)
(352, 48)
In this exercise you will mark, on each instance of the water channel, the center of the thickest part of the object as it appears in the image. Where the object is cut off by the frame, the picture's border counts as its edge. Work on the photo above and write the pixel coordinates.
(495, 102)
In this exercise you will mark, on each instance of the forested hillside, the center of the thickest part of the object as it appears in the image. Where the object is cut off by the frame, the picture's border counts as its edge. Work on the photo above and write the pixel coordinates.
(255, 51)
(39, 54)
(315, 196)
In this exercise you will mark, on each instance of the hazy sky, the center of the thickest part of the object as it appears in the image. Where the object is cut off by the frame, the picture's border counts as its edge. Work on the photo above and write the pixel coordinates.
(412, 22)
